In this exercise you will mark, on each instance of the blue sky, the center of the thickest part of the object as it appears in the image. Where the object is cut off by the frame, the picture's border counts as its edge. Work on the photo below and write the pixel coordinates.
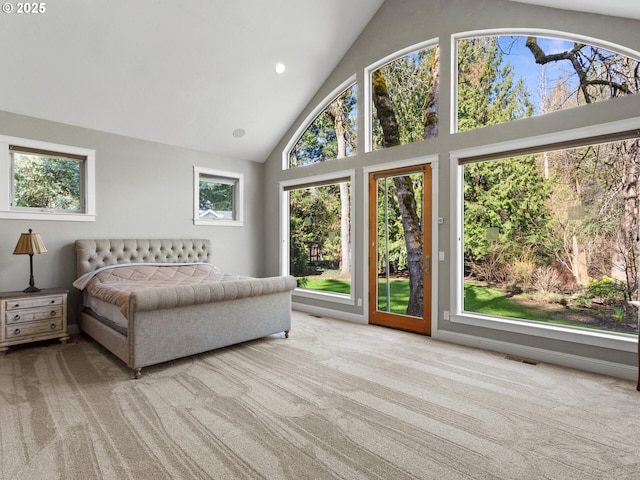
(525, 67)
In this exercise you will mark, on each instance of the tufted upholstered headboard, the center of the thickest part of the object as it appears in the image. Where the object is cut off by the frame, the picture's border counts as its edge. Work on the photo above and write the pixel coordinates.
(94, 254)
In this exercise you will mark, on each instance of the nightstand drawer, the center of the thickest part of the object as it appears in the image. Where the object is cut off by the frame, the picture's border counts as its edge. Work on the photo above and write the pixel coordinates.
(33, 314)
(19, 303)
(31, 329)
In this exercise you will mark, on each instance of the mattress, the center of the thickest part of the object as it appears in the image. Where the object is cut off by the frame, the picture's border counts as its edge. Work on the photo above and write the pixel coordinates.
(147, 287)
(106, 312)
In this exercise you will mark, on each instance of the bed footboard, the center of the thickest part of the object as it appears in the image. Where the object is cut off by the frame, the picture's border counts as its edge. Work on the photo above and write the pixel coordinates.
(163, 335)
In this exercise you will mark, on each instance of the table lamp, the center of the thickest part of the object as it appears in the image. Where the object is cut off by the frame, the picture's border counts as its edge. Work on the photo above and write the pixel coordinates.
(30, 244)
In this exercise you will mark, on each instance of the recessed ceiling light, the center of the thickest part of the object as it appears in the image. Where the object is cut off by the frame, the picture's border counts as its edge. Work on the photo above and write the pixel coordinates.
(280, 68)
(238, 132)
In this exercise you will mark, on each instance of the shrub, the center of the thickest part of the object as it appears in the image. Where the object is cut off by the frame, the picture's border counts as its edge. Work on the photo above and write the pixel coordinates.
(581, 301)
(606, 291)
(547, 279)
(520, 272)
(492, 269)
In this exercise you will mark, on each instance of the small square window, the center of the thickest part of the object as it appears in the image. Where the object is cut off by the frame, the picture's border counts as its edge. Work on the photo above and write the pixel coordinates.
(217, 197)
(46, 181)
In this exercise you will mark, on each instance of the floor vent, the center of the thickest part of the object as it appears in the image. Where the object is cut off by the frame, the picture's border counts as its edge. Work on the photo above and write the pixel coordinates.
(521, 360)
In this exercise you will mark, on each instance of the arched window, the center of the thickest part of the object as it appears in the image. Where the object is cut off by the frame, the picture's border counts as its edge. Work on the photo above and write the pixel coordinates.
(505, 77)
(405, 99)
(331, 135)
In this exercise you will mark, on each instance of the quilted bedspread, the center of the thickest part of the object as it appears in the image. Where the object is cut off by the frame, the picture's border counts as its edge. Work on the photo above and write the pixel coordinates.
(144, 287)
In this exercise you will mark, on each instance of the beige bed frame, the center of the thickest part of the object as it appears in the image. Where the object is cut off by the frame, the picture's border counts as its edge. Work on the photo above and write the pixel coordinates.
(156, 336)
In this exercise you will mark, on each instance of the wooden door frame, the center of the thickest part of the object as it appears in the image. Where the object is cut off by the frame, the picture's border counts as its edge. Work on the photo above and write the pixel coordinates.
(399, 321)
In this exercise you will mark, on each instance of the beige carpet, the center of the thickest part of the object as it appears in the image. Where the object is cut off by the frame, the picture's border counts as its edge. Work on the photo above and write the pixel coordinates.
(335, 400)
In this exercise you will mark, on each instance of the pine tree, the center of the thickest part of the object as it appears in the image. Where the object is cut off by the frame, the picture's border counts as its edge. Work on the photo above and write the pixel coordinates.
(507, 195)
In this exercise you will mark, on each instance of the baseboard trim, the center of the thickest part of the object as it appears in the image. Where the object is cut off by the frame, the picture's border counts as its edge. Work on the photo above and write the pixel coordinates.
(328, 312)
(603, 367)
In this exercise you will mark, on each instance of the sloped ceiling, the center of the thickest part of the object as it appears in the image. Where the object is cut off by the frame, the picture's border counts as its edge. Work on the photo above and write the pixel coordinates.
(188, 73)
(616, 8)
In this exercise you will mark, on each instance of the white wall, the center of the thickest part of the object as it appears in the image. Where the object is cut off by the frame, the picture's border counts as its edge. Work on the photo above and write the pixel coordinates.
(143, 190)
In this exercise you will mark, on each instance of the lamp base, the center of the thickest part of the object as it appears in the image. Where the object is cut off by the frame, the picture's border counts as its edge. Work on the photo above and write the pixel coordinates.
(31, 289)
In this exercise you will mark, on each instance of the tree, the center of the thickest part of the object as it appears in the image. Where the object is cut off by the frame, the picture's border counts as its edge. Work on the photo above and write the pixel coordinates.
(508, 195)
(406, 99)
(412, 85)
(601, 74)
(487, 93)
(406, 199)
(45, 182)
(332, 135)
(337, 114)
(318, 142)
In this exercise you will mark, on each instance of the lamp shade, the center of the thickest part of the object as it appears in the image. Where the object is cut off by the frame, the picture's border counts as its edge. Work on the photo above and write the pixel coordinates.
(30, 244)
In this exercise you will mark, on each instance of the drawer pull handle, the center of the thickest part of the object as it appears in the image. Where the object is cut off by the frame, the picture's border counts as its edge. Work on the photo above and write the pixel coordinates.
(16, 318)
(53, 326)
(16, 331)
(53, 313)
(53, 301)
(17, 305)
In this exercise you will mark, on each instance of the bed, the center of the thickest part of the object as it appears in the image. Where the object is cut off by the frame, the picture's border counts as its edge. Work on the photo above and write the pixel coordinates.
(149, 301)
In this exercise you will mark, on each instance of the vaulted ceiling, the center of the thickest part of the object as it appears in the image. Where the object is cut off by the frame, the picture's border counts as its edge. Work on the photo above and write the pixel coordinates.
(194, 74)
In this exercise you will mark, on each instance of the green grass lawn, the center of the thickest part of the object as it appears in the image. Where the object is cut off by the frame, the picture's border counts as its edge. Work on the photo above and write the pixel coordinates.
(398, 296)
(399, 291)
(477, 298)
(328, 285)
(481, 299)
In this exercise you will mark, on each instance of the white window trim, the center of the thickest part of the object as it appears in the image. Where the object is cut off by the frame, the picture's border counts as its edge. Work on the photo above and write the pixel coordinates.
(284, 233)
(538, 32)
(312, 116)
(6, 212)
(611, 340)
(238, 199)
(368, 108)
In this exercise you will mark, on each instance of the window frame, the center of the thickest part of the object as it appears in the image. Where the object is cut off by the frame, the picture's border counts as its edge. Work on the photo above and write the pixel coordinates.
(238, 196)
(309, 119)
(8, 211)
(612, 340)
(285, 187)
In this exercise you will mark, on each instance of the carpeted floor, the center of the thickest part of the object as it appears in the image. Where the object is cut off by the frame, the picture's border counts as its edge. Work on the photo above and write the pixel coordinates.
(335, 400)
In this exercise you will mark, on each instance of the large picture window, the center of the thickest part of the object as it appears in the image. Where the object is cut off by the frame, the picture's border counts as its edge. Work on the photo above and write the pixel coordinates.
(551, 237)
(319, 235)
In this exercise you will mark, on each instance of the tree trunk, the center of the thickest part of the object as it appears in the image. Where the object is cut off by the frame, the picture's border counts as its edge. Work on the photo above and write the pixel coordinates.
(406, 197)
(432, 101)
(345, 230)
(339, 122)
(413, 240)
(624, 261)
(579, 263)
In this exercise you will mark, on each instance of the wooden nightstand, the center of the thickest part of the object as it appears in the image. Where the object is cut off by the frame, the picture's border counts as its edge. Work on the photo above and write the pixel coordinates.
(29, 317)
